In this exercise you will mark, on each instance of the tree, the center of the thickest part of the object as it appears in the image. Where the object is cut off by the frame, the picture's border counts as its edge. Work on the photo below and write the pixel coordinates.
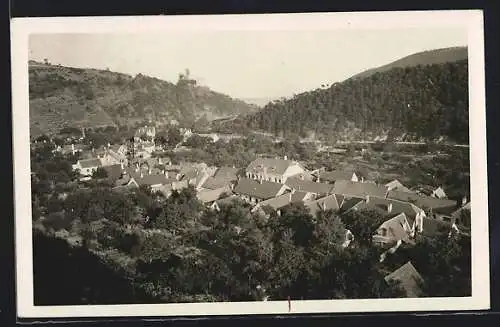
(100, 173)
(174, 136)
(362, 224)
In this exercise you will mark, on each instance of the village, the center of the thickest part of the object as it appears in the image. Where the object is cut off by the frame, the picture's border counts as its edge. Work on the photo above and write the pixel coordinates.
(269, 184)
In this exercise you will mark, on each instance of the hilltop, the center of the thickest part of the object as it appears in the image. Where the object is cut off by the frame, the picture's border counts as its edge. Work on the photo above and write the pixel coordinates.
(79, 97)
(431, 57)
(412, 103)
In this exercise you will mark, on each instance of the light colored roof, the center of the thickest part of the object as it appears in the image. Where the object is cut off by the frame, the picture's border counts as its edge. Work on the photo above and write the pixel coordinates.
(358, 189)
(90, 163)
(396, 228)
(409, 279)
(397, 185)
(308, 186)
(274, 166)
(261, 190)
(206, 196)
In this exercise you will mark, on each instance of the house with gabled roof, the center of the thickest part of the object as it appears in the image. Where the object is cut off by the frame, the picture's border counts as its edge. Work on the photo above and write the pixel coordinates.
(211, 195)
(87, 166)
(393, 230)
(408, 278)
(330, 202)
(389, 207)
(273, 170)
(255, 191)
(439, 193)
(336, 175)
(282, 201)
(396, 185)
(425, 202)
(216, 205)
(359, 189)
(155, 181)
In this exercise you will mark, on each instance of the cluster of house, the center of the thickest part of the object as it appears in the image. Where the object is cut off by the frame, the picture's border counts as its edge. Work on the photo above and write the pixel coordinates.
(270, 184)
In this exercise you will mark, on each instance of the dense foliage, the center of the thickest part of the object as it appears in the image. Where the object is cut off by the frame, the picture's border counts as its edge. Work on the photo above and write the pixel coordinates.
(148, 248)
(421, 102)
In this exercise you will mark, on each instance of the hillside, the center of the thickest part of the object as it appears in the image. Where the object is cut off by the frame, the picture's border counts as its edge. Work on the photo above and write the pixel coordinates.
(411, 104)
(438, 56)
(65, 96)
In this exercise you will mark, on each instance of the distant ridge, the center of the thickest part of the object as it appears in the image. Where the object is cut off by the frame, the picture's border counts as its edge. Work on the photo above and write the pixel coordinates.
(63, 96)
(430, 57)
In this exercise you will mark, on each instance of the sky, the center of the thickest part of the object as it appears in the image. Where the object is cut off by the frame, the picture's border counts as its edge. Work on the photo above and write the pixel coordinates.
(244, 64)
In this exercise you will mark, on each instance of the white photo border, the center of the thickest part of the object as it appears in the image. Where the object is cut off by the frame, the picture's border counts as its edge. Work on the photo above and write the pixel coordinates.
(472, 20)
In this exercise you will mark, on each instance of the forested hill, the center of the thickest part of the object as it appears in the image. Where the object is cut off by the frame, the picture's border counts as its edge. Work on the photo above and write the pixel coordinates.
(411, 104)
(437, 56)
(74, 97)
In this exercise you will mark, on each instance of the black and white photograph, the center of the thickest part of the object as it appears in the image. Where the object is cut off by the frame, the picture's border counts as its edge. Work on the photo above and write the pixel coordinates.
(250, 164)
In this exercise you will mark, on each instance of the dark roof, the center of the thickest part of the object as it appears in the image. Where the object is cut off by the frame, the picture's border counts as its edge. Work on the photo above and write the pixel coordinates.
(262, 190)
(335, 175)
(89, 163)
(298, 196)
(114, 171)
(227, 200)
(359, 189)
(435, 227)
(274, 166)
(409, 279)
(214, 183)
(308, 186)
(277, 202)
(349, 202)
(424, 201)
(382, 205)
(226, 173)
(329, 202)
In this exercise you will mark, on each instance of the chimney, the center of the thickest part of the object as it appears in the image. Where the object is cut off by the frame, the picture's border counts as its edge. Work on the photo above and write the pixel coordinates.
(362, 179)
(73, 147)
(142, 175)
(109, 145)
(389, 208)
(149, 171)
(464, 200)
(122, 165)
(160, 161)
(285, 158)
(323, 206)
(367, 198)
(290, 196)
